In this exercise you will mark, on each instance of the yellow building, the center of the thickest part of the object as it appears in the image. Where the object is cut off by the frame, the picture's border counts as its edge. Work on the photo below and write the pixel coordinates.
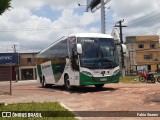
(144, 52)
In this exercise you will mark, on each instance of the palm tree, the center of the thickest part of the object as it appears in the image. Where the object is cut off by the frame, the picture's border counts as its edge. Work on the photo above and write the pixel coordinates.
(4, 5)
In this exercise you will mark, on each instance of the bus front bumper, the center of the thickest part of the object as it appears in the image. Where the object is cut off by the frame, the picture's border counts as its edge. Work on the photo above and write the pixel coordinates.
(90, 80)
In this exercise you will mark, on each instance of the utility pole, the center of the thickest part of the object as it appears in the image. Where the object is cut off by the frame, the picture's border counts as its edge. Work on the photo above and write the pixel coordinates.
(14, 48)
(102, 17)
(94, 5)
(121, 41)
(16, 65)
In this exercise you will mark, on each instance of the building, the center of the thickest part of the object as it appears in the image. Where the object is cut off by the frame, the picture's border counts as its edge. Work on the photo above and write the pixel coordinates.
(18, 66)
(8, 66)
(27, 66)
(144, 52)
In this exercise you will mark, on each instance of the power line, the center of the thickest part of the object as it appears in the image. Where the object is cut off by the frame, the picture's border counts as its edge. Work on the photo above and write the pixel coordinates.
(38, 29)
(148, 18)
(41, 29)
(150, 30)
(156, 17)
(143, 16)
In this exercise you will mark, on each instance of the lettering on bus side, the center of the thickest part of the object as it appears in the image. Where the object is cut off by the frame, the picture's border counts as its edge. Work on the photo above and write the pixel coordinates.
(46, 66)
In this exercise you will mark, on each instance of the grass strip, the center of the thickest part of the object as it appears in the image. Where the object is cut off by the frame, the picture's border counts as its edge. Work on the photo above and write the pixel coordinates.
(53, 110)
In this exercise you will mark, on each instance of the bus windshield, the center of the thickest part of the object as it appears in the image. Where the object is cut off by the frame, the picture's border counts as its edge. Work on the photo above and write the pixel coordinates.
(98, 53)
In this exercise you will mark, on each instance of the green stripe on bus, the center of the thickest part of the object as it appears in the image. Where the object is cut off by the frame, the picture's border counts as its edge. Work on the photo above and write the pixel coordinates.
(88, 80)
(58, 70)
(39, 70)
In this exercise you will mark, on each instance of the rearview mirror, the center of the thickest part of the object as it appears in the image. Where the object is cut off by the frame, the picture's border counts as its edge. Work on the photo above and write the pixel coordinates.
(125, 51)
(115, 35)
(79, 48)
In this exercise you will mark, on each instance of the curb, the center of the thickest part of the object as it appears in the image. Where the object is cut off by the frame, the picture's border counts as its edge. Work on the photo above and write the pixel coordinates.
(2, 103)
(77, 116)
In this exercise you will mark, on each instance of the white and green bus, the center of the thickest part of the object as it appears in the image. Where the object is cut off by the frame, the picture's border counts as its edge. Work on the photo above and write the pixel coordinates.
(79, 60)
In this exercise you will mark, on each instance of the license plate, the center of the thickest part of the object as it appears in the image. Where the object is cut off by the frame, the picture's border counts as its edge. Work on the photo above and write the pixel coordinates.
(103, 79)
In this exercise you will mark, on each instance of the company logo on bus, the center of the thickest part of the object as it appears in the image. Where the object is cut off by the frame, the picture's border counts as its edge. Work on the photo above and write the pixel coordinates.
(46, 66)
(103, 72)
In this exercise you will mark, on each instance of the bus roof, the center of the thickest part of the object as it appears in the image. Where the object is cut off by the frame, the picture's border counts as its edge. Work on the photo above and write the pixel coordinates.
(94, 35)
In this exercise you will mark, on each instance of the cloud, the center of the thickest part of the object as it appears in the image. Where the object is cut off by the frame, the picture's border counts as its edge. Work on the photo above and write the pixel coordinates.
(139, 15)
(21, 24)
(55, 4)
(89, 18)
(33, 33)
(135, 8)
(65, 4)
(30, 4)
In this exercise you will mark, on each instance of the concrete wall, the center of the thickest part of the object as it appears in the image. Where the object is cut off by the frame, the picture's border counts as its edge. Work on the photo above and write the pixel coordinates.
(136, 54)
(27, 66)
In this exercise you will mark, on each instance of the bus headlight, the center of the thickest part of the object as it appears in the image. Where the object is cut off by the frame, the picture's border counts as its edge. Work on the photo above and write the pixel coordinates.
(115, 72)
(87, 73)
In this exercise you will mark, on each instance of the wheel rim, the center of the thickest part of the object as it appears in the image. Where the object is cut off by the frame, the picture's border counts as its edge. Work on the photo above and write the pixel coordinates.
(141, 79)
(67, 84)
(153, 80)
(44, 83)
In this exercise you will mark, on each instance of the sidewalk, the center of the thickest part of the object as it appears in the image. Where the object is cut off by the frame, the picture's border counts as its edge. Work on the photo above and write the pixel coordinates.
(25, 82)
(5, 85)
(140, 97)
(20, 82)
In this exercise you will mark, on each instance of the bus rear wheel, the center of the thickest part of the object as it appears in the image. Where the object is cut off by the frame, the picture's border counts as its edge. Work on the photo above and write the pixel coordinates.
(44, 85)
(67, 83)
(99, 86)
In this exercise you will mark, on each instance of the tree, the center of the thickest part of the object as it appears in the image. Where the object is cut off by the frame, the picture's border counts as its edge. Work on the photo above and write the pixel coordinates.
(4, 5)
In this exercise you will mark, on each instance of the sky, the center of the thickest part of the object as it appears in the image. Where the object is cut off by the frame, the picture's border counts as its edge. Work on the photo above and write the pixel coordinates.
(32, 25)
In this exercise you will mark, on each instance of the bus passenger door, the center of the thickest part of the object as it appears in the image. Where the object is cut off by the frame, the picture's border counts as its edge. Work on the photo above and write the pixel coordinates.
(74, 61)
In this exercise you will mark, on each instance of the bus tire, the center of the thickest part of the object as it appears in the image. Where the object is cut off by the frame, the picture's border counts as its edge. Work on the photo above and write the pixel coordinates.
(67, 83)
(99, 86)
(158, 79)
(40, 79)
(44, 85)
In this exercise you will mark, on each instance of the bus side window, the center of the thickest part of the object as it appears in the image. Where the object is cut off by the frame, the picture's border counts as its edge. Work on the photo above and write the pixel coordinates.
(73, 53)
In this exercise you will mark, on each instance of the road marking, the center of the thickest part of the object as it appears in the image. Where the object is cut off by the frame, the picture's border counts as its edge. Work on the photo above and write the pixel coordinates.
(63, 105)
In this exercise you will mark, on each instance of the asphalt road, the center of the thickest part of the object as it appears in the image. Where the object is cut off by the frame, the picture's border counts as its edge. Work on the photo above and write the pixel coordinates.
(113, 97)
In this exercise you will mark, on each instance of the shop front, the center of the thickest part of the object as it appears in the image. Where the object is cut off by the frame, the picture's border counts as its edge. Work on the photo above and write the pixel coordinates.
(8, 66)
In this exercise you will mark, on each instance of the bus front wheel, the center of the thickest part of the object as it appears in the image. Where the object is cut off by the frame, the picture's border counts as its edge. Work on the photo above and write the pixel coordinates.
(99, 86)
(67, 83)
